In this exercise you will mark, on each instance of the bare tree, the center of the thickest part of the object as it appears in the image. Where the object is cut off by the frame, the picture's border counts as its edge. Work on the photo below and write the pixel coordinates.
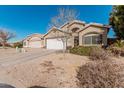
(5, 36)
(65, 15)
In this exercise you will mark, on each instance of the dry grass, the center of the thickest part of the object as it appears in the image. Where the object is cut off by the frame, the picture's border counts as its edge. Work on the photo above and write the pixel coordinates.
(117, 52)
(99, 54)
(101, 72)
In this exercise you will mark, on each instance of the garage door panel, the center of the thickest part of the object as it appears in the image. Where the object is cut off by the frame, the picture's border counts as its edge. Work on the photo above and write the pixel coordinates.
(36, 44)
(54, 44)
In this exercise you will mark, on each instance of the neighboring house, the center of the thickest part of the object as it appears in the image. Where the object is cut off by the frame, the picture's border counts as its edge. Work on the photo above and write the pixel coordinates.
(34, 41)
(81, 34)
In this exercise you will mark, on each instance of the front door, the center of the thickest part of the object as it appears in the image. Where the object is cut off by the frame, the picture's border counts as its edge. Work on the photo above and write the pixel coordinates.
(76, 41)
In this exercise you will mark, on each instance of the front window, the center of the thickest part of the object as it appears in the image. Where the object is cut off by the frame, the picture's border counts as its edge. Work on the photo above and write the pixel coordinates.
(24, 43)
(92, 39)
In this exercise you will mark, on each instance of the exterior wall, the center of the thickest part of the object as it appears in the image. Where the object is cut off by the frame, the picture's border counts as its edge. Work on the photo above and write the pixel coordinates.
(93, 29)
(80, 26)
(74, 25)
(53, 34)
(70, 42)
(64, 27)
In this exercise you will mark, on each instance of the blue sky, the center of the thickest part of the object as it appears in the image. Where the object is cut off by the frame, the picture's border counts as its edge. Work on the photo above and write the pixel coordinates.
(26, 20)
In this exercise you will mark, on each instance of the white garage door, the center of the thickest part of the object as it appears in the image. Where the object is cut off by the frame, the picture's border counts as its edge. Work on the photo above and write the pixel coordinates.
(54, 44)
(35, 44)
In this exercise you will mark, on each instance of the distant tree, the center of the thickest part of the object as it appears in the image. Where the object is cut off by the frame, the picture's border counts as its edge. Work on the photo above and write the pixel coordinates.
(117, 20)
(65, 15)
(18, 44)
(5, 36)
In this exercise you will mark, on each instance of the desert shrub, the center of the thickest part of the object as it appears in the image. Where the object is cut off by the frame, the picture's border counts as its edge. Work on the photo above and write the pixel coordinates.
(117, 49)
(81, 50)
(100, 74)
(18, 44)
(98, 54)
(118, 43)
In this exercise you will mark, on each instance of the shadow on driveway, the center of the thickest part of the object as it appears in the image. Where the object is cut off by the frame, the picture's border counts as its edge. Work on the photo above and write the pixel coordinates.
(37, 87)
(2, 85)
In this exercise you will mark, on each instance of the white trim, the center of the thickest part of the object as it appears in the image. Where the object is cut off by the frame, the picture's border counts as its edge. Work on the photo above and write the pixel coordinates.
(91, 35)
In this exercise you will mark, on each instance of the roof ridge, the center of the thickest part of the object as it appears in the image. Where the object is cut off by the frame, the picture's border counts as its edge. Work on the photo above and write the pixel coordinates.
(71, 22)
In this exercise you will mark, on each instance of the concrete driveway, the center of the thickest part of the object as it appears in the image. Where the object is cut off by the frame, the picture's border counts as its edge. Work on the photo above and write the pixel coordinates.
(39, 68)
(10, 56)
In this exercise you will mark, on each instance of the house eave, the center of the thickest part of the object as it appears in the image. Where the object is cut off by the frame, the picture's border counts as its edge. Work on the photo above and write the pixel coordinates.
(96, 25)
(56, 29)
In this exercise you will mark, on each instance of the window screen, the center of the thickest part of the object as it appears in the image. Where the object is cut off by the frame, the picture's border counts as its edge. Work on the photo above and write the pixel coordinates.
(24, 43)
(95, 39)
(88, 40)
(92, 39)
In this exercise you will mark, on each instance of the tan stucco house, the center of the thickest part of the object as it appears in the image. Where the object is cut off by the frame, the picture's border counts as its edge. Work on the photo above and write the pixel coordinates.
(79, 33)
(34, 41)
